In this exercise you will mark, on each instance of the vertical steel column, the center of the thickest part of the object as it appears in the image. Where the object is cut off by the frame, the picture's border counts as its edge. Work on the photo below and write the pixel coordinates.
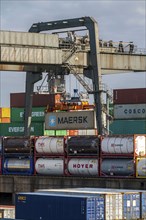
(95, 62)
(31, 79)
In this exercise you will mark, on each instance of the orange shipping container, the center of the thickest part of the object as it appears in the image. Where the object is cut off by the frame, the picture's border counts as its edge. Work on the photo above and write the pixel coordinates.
(5, 112)
(5, 120)
(72, 132)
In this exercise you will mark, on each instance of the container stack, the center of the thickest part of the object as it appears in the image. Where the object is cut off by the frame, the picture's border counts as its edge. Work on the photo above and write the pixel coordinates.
(4, 115)
(49, 155)
(83, 155)
(119, 154)
(1, 143)
(18, 156)
(129, 111)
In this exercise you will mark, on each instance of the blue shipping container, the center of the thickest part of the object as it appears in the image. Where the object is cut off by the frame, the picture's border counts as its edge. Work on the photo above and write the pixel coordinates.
(36, 206)
(131, 205)
(143, 205)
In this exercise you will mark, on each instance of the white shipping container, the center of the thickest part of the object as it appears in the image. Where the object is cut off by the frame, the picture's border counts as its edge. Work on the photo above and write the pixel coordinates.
(87, 132)
(130, 111)
(51, 145)
(29, 39)
(30, 55)
(8, 211)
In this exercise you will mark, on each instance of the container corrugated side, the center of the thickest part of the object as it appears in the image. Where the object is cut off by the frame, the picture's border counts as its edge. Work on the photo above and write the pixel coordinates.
(131, 203)
(30, 39)
(143, 205)
(17, 129)
(38, 114)
(128, 127)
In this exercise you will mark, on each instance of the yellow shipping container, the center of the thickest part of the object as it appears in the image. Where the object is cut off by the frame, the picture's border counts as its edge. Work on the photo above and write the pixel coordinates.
(5, 112)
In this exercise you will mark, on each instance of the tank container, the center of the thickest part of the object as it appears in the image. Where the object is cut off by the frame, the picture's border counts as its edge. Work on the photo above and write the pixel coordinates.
(18, 166)
(141, 167)
(117, 167)
(85, 167)
(83, 145)
(134, 144)
(50, 145)
(52, 207)
(47, 166)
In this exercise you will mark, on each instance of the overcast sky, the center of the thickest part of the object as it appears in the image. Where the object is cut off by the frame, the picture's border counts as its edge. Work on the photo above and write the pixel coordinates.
(117, 19)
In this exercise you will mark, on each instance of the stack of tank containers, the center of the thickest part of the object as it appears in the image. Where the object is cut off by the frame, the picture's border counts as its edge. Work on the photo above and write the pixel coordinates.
(83, 156)
(18, 156)
(119, 155)
(129, 111)
(49, 155)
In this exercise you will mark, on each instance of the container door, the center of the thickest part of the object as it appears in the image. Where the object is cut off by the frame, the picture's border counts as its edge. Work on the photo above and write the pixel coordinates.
(90, 209)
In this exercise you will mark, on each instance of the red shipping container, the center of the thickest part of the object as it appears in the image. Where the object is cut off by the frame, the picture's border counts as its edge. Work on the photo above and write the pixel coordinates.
(129, 96)
(17, 100)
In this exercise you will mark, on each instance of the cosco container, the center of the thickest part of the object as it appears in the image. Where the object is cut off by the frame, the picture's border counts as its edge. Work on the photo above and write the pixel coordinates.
(128, 127)
(133, 111)
(83, 145)
(49, 145)
(17, 100)
(17, 129)
(49, 166)
(129, 96)
(117, 167)
(122, 144)
(36, 206)
(21, 166)
(83, 167)
(38, 114)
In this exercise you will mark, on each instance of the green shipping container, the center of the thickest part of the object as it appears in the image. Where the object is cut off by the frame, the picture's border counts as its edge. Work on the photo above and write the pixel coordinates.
(17, 129)
(61, 132)
(38, 114)
(49, 132)
(128, 127)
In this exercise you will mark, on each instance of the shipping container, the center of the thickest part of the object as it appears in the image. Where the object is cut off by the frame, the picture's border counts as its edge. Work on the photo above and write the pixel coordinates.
(50, 145)
(17, 145)
(128, 127)
(0, 164)
(124, 145)
(61, 132)
(36, 206)
(49, 166)
(83, 145)
(87, 132)
(17, 100)
(29, 39)
(38, 114)
(130, 111)
(5, 120)
(17, 129)
(7, 212)
(49, 133)
(72, 132)
(129, 96)
(117, 167)
(69, 120)
(143, 205)
(141, 167)
(1, 143)
(20, 165)
(83, 166)
(5, 113)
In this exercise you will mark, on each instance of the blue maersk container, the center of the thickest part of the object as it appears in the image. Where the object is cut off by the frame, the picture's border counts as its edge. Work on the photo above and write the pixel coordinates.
(44, 206)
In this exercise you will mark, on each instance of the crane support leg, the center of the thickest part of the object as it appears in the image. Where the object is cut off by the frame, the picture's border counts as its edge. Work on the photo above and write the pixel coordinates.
(31, 79)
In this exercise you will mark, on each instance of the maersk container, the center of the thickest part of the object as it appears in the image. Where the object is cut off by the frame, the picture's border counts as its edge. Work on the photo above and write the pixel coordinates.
(117, 167)
(22, 166)
(17, 145)
(128, 127)
(38, 114)
(131, 205)
(17, 129)
(36, 206)
(47, 166)
(134, 144)
(49, 145)
(85, 167)
(83, 145)
(141, 167)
